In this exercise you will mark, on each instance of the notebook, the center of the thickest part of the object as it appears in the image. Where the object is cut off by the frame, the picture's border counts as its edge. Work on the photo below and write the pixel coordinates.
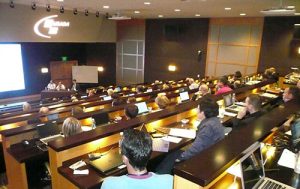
(142, 106)
(253, 173)
(108, 161)
(184, 96)
(160, 145)
(101, 118)
(48, 132)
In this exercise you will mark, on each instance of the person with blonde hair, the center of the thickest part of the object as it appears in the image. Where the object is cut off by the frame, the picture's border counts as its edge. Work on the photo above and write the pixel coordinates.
(71, 126)
(44, 110)
(26, 106)
(162, 101)
(110, 92)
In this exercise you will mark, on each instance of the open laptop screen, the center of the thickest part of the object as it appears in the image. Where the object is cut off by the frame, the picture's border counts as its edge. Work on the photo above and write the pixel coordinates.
(184, 96)
(48, 129)
(142, 106)
(107, 98)
(252, 168)
(227, 100)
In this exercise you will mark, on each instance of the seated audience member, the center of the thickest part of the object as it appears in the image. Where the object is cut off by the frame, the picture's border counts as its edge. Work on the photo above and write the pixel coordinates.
(237, 76)
(75, 86)
(131, 111)
(91, 92)
(165, 86)
(117, 100)
(222, 86)
(76, 110)
(204, 91)
(209, 132)
(51, 85)
(60, 86)
(252, 111)
(74, 98)
(71, 126)
(131, 99)
(291, 93)
(162, 101)
(44, 110)
(26, 106)
(140, 89)
(298, 84)
(271, 73)
(136, 148)
(193, 84)
(110, 92)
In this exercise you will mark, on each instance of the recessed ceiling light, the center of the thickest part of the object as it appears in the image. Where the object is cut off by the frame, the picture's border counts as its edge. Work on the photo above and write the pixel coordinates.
(290, 7)
(242, 14)
(160, 16)
(227, 8)
(177, 10)
(137, 12)
(147, 3)
(60, 0)
(197, 15)
(105, 6)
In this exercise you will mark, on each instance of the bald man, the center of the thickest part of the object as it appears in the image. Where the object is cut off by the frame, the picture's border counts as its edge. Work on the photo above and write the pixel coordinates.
(204, 90)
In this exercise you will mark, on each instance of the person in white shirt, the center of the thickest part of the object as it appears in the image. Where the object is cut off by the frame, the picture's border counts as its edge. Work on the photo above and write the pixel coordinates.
(193, 84)
(51, 85)
(60, 86)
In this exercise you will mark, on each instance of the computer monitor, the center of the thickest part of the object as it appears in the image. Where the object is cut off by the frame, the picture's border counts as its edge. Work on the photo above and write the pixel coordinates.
(227, 100)
(101, 118)
(184, 96)
(142, 106)
(47, 129)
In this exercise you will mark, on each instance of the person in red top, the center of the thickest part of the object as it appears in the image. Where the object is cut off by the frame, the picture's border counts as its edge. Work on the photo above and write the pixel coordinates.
(222, 86)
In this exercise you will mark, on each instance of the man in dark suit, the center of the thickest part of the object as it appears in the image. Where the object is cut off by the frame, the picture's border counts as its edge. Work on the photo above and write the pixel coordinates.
(250, 112)
(75, 86)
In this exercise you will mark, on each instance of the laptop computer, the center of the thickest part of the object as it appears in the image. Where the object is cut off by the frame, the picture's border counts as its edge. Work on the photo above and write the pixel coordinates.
(48, 132)
(253, 173)
(142, 106)
(108, 162)
(229, 106)
(107, 98)
(184, 96)
(52, 117)
(101, 119)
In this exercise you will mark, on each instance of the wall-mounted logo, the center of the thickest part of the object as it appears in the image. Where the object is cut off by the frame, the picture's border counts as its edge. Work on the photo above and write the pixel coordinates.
(47, 26)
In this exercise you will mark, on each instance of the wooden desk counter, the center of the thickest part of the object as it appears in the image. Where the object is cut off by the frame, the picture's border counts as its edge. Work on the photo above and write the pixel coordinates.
(217, 159)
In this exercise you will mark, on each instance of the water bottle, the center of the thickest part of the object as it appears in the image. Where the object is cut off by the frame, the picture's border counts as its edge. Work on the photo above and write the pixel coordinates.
(93, 123)
(233, 98)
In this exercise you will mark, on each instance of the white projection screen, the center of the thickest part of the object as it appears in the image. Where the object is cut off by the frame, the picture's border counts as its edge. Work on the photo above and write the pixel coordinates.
(85, 74)
(11, 68)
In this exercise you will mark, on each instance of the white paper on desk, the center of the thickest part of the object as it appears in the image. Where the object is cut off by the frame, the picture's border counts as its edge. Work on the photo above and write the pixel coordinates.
(185, 133)
(269, 95)
(81, 172)
(287, 159)
(172, 139)
(289, 133)
(86, 128)
(230, 114)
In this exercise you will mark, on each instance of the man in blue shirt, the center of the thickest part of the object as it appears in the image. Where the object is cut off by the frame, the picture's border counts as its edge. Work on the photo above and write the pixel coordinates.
(209, 132)
(136, 148)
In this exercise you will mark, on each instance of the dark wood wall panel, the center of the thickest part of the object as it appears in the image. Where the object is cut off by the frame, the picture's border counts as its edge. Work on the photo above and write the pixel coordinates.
(279, 47)
(175, 41)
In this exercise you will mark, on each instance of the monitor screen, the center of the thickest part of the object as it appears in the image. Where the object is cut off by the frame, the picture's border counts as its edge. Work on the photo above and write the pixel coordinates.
(11, 68)
(107, 98)
(252, 168)
(227, 100)
(142, 106)
(184, 96)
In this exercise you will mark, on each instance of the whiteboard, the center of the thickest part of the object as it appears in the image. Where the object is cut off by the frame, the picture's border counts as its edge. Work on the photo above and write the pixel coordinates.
(85, 74)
